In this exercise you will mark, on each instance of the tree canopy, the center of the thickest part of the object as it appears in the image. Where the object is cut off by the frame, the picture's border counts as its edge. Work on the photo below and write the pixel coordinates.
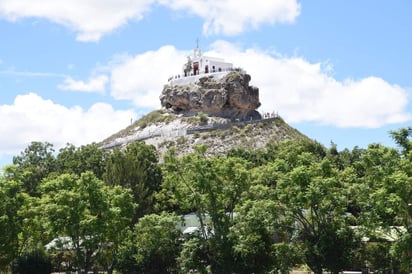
(295, 204)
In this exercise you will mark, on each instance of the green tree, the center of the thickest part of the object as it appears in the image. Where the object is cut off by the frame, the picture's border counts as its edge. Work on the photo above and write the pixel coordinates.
(87, 211)
(402, 138)
(136, 168)
(78, 160)
(33, 164)
(378, 184)
(257, 157)
(12, 199)
(20, 228)
(194, 256)
(290, 150)
(377, 254)
(118, 218)
(287, 255)
(257, 228)
(390, 209)
(315, 199)
(211, 187)
(153, 246)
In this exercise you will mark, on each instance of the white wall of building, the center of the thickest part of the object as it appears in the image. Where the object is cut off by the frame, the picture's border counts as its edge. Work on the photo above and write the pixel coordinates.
(205, 64)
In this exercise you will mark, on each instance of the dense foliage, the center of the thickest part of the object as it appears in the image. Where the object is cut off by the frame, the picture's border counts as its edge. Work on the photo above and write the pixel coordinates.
(295, 204)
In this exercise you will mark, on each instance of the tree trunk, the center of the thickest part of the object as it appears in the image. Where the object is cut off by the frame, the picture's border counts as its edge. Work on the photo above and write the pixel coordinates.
(87, 260)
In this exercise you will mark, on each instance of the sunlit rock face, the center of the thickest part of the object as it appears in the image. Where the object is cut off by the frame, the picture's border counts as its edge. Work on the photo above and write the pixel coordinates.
(228, 96)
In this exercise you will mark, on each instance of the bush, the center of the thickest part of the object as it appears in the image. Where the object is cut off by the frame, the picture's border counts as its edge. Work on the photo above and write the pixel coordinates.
(181, 140)
(157, 116)
(203, 118)
(36, 261)
(247, 129)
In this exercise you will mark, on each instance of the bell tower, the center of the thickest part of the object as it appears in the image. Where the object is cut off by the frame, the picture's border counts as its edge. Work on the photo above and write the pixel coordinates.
(197, 52)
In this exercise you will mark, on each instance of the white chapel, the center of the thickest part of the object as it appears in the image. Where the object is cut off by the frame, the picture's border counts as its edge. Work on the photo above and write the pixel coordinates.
(200, 64)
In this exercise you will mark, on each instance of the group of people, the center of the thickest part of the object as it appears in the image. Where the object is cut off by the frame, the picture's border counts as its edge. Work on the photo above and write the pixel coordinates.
(267, 115)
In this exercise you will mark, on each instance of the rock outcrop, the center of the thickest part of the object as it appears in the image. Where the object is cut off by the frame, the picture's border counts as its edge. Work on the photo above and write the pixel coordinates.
(229, 96)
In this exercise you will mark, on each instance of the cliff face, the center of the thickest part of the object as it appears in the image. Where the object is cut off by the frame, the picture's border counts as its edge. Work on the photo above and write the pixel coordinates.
(228, 97)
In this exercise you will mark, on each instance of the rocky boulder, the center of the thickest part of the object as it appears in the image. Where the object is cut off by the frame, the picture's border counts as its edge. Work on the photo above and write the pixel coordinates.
(229, 96)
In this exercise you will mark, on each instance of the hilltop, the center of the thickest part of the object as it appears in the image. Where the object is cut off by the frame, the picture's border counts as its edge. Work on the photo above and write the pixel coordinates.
(217, 109)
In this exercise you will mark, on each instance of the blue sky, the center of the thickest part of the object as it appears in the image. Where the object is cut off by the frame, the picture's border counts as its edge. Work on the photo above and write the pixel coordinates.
(78, 71)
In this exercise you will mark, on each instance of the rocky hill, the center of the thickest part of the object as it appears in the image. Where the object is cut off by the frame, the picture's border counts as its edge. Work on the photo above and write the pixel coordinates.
(216, 110)
(164, 129)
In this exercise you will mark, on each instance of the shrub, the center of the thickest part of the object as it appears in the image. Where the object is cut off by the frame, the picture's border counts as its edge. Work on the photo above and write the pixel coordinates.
(154, 117)
(181, 140)
(203, 118)
(247, 129)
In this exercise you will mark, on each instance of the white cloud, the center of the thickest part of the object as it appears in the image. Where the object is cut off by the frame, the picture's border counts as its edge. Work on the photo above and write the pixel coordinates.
(95, 84)
(232, 17)
(92, 19)
(295, 88)
(33, 118)
(141, 78)
(303, 91)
